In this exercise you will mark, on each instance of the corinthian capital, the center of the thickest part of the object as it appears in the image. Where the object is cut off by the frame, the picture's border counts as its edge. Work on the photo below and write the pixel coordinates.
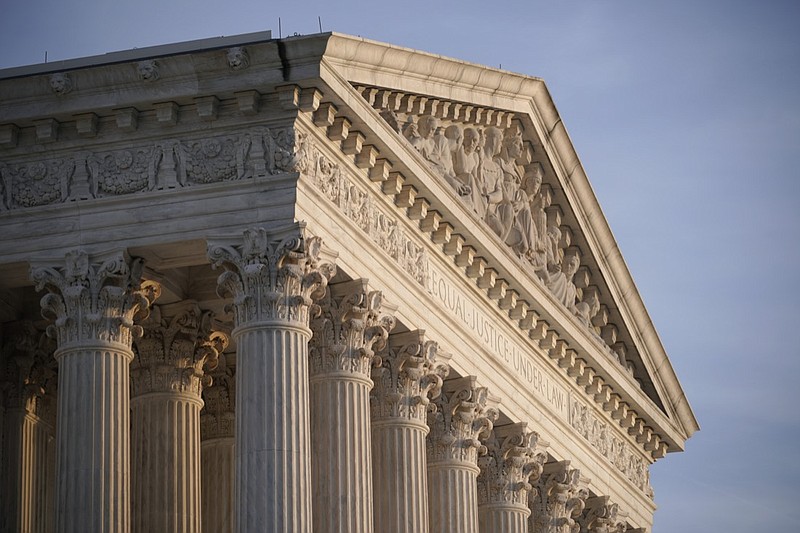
(409, 373)
(602, 516)
(514, 458)
(94, 298)
(218, 415)
(558, 500)
(271, 276)
(464, 414)
(176, 349)
(348, 329)
(28, 373)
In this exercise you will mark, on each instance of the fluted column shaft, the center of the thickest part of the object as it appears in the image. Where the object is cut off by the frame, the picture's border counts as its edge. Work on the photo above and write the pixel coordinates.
(504, 518)
(453, 496)
(165, 448)
(93, 449)
(27, 480)
(342, 463)
(273, 454)
(400, 476)
(217, 474)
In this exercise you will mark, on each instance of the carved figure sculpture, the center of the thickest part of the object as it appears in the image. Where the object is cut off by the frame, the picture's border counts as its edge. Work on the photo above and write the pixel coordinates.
(465, 167)
(238, 58)
(492, 178)
(561, 285)
(147, 70)
(61, 83)
(513, 198)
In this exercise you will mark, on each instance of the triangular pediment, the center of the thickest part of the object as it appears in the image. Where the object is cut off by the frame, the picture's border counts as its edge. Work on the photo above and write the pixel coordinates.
(495, 144)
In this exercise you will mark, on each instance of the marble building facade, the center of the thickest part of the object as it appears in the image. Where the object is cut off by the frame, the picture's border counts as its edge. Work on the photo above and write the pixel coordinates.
(313, 284)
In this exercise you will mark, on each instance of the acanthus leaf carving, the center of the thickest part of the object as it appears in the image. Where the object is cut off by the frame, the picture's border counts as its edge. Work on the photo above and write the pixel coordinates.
(176, 349)
(602, 516)
(218, 415)
(349, 328)
(29, 373)
(558, 499)
(409, 373)
(463, 416)
(514, 458)
(271, 277)
(94, 300)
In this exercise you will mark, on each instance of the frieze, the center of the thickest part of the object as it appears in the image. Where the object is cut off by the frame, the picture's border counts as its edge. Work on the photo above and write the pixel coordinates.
(355, 202)
(603, 438)
(164, 164)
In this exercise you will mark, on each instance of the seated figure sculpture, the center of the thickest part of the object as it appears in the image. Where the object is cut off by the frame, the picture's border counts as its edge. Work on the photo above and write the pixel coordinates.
(492, 178)
(465, 165)
(426, 136)
(560, 282)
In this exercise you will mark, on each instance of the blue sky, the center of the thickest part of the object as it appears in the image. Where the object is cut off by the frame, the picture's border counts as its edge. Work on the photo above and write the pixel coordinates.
(686, 117)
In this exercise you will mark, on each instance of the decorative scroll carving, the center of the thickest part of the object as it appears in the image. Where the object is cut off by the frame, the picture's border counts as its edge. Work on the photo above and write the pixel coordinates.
(356, 204)
(408, 375)
(271, 277)
(602, 516)
(29, 372)
(147, 70)
(38, 183)
(123, 171)
(94, 300)
(218, 415)
(60, 83)
(462, 417)
(238, 58)
(614, 448)
(514, 458)
(173, 354)
(559, 498)
(348, 329)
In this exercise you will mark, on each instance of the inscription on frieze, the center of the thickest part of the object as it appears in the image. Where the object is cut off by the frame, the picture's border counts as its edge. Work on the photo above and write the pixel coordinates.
(518, 359)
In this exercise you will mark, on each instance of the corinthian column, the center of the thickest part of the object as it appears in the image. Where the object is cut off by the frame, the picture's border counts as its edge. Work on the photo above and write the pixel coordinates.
(27, 476)
(514, 458)
(94, 304)
(216, 449)
(167, 378)
(272, 278)
(408, 377)
(558, 500)
(349, 326)
(462, 416)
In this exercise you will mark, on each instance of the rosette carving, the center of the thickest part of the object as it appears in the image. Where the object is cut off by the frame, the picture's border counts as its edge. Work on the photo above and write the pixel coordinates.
(463, 417)
(218, 415)
(348, 330)
(176, 349)
(602, 516)
(558, 500)
(271, 277)
(94, 300)
(409, 374)
(514, 458)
